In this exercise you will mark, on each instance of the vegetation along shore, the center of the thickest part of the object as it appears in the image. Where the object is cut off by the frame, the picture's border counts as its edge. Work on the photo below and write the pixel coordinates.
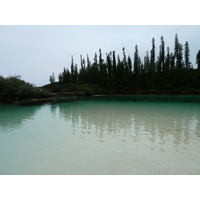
(171, 73)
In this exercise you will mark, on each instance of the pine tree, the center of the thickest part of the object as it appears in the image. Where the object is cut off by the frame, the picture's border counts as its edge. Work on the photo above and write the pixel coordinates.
(167, 72)
(114, 64)
(66, 76)
(176, 46)
(102, 70)
(124, 61)
(109, 64)
(109, 67)
(75, 74)
(129, 63)
(162, 53)
(152, 65)
(187, 56)
(146, 63)
(124, 54)
(100, 59)
(172, 61)
(94, 70)
(198, 60)
(126, 71)
(158, 63)
(198, 67)
(136, 61)
(82, 71)
(81, 61)
(166, 80)
(129, 75)
(72, 70)
(114, 67)
(167, 61)
(136, 66)
(95, 58)
(120, 75)
(179, 62)
(88, 70)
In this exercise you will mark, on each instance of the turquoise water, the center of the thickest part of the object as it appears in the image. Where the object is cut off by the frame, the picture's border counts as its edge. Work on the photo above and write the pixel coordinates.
(101, 135)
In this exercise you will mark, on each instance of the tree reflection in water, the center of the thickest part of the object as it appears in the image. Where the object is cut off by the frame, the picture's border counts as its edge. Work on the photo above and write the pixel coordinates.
(12, 116)
(159, 122)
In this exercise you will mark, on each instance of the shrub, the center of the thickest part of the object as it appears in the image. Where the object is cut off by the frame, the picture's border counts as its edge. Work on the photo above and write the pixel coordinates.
(13, 88)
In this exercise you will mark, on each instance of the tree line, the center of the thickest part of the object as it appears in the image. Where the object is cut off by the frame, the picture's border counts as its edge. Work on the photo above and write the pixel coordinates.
(167, 71)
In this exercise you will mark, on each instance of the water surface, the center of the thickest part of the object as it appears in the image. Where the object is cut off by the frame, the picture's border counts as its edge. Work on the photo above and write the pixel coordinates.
(101, 135)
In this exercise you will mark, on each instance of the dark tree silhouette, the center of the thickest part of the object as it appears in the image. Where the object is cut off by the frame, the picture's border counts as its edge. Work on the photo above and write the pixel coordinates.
(169, 72)
(187, 56)
(198, 60)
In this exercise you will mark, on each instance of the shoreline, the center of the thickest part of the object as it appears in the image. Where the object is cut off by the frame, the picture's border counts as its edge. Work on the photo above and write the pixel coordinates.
(57, 96)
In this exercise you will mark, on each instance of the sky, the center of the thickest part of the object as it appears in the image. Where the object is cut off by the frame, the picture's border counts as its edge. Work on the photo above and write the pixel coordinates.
(39, 37)
(36, 51)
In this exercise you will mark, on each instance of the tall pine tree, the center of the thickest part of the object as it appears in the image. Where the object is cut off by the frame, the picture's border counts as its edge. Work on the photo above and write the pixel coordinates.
(187, 56)
(162, 55)
(153, 54)
(198, 60)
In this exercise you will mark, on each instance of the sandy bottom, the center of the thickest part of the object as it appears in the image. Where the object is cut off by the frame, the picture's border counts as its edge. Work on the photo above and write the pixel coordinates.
(106, 138)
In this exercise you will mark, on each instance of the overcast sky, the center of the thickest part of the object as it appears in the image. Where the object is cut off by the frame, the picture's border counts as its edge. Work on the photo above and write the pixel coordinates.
(34, 52)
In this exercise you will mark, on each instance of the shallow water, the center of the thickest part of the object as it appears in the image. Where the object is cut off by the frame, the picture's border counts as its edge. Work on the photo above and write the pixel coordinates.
(102, 135)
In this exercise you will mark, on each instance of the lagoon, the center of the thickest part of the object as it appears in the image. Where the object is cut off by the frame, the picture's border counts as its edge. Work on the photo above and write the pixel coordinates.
(101, 135)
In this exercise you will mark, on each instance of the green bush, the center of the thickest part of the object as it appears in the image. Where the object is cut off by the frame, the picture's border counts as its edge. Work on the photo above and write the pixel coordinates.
(13, 88)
